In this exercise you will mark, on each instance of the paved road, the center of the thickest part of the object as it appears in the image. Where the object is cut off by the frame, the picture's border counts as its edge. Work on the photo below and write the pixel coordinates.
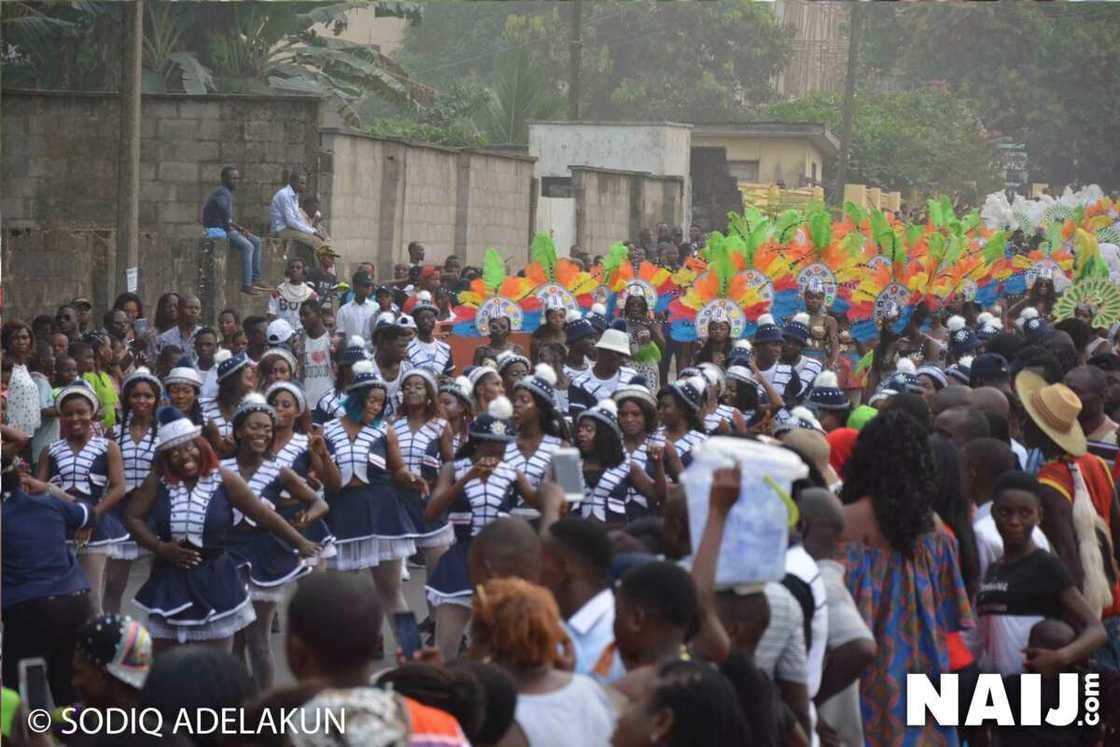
(413, 592)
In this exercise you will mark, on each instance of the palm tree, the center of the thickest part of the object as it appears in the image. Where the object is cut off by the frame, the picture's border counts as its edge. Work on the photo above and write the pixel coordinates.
(520, 93)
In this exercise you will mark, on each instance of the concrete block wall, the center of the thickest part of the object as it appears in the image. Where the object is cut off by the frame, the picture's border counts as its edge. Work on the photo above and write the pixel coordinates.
(614, 205)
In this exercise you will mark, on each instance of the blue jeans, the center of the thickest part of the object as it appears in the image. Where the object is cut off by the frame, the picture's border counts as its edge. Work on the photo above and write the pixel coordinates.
(250, 248)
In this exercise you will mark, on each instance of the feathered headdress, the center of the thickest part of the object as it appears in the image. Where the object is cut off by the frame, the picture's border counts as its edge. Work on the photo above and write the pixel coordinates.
(494, 295)
(558, 283)
(652, 282)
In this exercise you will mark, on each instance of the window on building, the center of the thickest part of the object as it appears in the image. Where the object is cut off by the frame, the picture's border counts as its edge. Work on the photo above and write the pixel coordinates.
(744, 171)
(556, 186)
(814, 172)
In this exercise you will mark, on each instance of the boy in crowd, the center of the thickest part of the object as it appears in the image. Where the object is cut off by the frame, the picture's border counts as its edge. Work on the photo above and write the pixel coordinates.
(289, 295)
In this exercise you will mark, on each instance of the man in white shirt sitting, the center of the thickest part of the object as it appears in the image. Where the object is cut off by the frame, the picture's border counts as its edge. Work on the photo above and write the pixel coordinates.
(285, 218)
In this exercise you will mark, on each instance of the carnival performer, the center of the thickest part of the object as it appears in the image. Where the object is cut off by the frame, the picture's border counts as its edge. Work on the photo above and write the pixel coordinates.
(637, 419)
(767, 349)
(540, 431)
(183, 387)
(136, 437)
(372, 527)
(512, 367)
(195, 591)
(486, 386)
(717, 416)
(474, 490)
(499, 329)
(679, 406)
(271, 564)
(456, 400)
(647, 341)
(608, 476)
(823, 343)
(237, 376)
(89, 469)
(425, 351)
(390, 363)
(329, 405)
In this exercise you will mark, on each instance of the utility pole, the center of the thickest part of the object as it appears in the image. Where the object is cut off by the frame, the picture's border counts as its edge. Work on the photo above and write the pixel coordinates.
(128, 149)
(855, 13)
(575, 48)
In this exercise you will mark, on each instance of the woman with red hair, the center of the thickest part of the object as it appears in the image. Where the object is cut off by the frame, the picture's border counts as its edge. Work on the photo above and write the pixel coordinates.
(195, 591)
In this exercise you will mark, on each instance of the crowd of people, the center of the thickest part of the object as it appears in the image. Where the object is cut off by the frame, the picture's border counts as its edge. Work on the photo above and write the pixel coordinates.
(959, 515)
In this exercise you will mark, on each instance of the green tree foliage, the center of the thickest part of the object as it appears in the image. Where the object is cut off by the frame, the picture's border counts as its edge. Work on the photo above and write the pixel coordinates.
(917, 139)
(1044, 74)
(520, 94)
(641, 59)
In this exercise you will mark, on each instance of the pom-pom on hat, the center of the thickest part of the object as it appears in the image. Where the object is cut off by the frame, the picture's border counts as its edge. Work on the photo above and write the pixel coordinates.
(405, 321)
(423, 302)
(597, 317)
(229, 364)
(364, 377)
(962, 340)
(253, 402)
(578, 329)
(712, 373)
(798, 417)
(1035, 330)
(174, 428)
(141, 374)
(826, 393)
(185, 372)
(606, 412)
(355, 351)
(290, 388)
(691, 390)
(494, 424)
(797, 328)
(637, 388)
(541, 382)
(767, 330)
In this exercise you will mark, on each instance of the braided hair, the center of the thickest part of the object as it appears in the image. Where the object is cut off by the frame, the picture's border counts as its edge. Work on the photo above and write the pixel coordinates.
(902, 496)
(126, 408)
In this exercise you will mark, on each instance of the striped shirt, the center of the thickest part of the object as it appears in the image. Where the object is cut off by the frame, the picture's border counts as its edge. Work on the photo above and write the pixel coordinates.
(329, 407)
(434, 356)
(414, 444)
(213, 413)
(485, 502)
(136, 458)
(188, 507)
(353, 457)
(534, 467)
(83, 472)
(586, 390)
(264, 483)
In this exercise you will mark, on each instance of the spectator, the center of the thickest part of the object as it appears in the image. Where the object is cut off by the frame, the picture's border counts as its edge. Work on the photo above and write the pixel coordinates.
(92, 357)
(111, 661)
(190, 678)
(354, 318)
(285, 218)
(66, 319)
(205, 348)
(256, 337)
(1089, 384)
(186, 324)
(85, 314)
(322, 278)
(608, 373)
(167, 312)
(217, 215)
(22, 391)
(290, 295)
(315, 352)
(42, 372)
(229, 324)
(517, 626)
(505, 548)
(962, 424)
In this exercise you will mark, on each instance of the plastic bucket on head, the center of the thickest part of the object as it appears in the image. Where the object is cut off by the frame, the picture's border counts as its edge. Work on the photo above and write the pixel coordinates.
(754, 542)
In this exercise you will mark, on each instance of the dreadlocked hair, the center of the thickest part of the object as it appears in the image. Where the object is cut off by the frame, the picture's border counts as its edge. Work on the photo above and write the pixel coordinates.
(455, 691)
(901, 497)
(518, 623)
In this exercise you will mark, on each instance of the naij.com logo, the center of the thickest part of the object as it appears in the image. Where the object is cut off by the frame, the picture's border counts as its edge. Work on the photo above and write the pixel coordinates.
(1076, 701)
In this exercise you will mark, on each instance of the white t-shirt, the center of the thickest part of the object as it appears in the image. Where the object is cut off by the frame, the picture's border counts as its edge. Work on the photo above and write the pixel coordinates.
(801, 564)
(209, 383)
(318, 377)
(842, 710)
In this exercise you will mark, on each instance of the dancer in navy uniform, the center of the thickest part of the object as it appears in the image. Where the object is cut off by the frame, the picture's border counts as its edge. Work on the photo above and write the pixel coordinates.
(717, 416)
(272, 565)
(195, 591)
(682, 427)
(637, 419)
(424, 435)
(135, 436)
(540, 431)
(424, 351)
(608, 476)
(237, 376)
(88, 468)
(455, 399)
(368, 519)
(477, 488)
(329, 405)
(308, 457)
(390, 362)
(486, 386)
(183, 389)
(512, 367)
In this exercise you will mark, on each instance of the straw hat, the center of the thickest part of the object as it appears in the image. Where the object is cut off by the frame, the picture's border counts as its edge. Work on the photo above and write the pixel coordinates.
(1054, 409)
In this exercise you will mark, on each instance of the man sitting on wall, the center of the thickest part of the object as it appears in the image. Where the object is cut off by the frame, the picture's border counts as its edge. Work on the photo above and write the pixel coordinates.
(286, 219)
(217, 218)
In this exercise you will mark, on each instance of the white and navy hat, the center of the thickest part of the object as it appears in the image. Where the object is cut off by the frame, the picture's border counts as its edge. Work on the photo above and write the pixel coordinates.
(425, 374)
(826, 393)
(229, 364)
(742, 374)
(185, 373)
(364, 377)
(606, 412)
(475, 373)
(78, 388)
(507, 358)
(385, 320)
(175, 428)
(493, 425)
(597, 318)
(141, 374)
(405, 321)
(637, 388)
(935, 374)
(578, 329)
(354, 351)
(692, 390)
(281, 353)
(798, 417)
(1035, 330)
(904, 378)
(797, 328)
(961, 371)
(990, 329)
(290, 388)
(253, 402)
(961, 339)
(424, 303)
(279, 332)
(767, 330)
(461, 388)
(741, 353)
(541, 382)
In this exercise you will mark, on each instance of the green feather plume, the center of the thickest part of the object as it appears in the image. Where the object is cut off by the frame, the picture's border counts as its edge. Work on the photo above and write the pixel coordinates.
(787, 222)
(648, 353)
(936, 244)
(856, 214)
(493, 269)
(616, 255)
(852, 243)
(933, 207)
(736, 244)
(719, 262)
(543, 250)
(913, 235)
(820, 229)
(994, 247)
(953, 250)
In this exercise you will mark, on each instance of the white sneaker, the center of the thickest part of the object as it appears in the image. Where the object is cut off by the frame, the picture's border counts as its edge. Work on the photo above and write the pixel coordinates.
(405, 575)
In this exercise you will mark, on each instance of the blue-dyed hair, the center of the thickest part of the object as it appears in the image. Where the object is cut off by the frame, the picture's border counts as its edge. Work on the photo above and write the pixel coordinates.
(355, 405)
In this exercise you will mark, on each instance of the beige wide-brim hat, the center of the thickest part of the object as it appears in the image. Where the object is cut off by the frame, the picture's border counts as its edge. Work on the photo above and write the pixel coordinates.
(615, 340)
(1054, 409)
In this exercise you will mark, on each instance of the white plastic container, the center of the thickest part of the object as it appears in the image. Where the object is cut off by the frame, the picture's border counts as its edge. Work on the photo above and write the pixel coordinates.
(755, 540)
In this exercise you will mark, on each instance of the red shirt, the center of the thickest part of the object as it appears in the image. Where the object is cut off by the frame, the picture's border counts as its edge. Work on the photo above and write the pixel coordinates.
(1098, 479)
